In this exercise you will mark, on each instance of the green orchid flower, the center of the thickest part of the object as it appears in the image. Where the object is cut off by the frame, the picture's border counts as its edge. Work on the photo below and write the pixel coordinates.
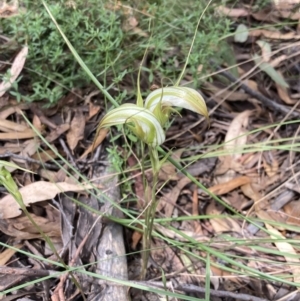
(161, 101)
(141, 122)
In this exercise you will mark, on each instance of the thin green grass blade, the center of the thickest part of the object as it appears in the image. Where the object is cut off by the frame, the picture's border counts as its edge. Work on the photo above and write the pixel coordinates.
(207, 278)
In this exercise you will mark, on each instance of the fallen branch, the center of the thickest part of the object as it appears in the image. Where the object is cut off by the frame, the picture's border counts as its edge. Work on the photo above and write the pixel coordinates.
(267, 102)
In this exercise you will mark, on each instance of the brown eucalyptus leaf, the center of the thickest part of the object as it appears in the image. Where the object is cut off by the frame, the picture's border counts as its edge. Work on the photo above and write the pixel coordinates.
(75, 133)
(37, 192)
(16, 68)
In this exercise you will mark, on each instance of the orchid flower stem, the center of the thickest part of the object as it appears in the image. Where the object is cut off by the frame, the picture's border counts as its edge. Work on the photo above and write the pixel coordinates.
(151, 205)
(154, 160)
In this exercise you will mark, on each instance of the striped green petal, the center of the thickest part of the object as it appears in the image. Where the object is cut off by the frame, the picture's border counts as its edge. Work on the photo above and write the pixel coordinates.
(141, 121)
(161, 100)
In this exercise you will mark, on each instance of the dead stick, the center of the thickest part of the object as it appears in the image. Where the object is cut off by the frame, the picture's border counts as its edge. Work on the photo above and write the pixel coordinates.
(190, 288)
(267, 102)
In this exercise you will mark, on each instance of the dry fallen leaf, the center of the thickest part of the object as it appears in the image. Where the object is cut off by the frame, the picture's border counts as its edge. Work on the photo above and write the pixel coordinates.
(285, 4)
(15, 70)
(36, 122)
(261, 206)
(56, 133)
(266, 50)
(284, 94)
(286, 249)
(51, 228)
(251, 84)
(292, 210)
(235, 137)
(168, 171)
(130, 22)
(249, 191)
(226, 187)
(135, 239)
(7, 126)
(94, 107)
(100, 137)
(9, 8)
(8, 253)
(46, 155)
(10, 148)
(232, 12)
(18, 135)
(93, 110)
(234, 142)
(274, 35)
(272, 168)
(29, 148)
(75, 133)
(13, 108)
(278, 60)
(168, 201)
(222, 224)
(287, 9)
(22, 229)
(37, 192)
(168, 259)
(265, 16)
(49, 175)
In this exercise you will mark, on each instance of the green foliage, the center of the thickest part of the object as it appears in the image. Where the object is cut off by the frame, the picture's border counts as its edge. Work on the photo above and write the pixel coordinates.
(96, 30)
(262, 4)
(173, 29)
(93, 30)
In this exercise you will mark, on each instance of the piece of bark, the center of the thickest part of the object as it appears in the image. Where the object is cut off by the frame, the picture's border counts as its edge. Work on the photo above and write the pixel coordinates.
(96, 239)
(106, 240)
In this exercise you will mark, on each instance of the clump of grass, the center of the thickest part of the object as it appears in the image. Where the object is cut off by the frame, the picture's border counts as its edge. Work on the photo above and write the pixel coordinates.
(97, 32)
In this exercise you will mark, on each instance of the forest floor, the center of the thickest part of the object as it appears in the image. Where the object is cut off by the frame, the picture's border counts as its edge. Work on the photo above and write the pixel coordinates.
(227, 221)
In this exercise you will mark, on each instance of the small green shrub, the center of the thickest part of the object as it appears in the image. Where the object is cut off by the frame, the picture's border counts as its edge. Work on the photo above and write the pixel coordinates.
(95, 33)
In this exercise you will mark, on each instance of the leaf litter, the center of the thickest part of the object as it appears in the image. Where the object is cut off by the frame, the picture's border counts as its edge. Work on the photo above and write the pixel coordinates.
(256, 178)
